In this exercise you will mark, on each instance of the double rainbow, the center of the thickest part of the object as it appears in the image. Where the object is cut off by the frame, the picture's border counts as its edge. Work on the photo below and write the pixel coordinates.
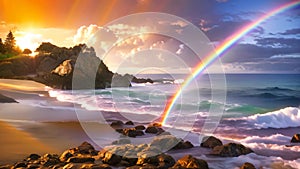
(220, 49)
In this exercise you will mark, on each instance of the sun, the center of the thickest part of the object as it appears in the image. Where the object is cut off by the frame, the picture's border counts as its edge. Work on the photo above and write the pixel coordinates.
(27, 40)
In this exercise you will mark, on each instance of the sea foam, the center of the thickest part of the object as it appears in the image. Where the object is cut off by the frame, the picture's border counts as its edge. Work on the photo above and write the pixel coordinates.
(283, 118)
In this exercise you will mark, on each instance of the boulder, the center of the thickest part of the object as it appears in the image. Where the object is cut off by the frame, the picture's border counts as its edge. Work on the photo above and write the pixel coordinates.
(152, 129)
(49, 160)
(189, 161)
(95, 166)
(20, 164)
(72, 166)
(33, 157)
(295, 138)
(164, 142)
(80, 159)
(183, 145)
(211, 142)
(165, 161)
(116, 124)
(140, 127)
(5, 99)
(231, 150)
(67, 154)
(129, 123)
(6, 167)
(65, 68)
(247, 166)
(111, 158)
(121, 141)
(130, 132)
(87, 148)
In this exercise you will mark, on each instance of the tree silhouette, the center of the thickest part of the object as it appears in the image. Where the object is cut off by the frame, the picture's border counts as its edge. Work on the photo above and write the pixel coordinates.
(27, 51)
(10, 42)
(2, 48)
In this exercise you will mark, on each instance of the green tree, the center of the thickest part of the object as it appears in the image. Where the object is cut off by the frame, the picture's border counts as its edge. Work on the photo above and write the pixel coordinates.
(10, 43)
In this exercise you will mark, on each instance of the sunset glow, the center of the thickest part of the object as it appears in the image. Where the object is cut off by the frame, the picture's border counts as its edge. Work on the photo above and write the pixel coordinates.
(29, 41)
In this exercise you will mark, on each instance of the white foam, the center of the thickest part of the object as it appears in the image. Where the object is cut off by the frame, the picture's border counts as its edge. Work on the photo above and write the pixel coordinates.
(272, 142)
(283, 118)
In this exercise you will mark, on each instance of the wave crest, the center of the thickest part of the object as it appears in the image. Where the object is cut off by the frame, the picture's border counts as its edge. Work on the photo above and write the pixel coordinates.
(283, 118)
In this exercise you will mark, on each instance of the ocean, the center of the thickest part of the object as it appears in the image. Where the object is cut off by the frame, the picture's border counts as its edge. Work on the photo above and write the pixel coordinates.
(260, 111)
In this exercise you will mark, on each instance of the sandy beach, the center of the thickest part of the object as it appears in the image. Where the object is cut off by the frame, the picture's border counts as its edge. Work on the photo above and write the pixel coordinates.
(19, 138)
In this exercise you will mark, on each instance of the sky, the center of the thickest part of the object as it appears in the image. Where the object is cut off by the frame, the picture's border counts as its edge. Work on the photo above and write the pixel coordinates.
(272, 47)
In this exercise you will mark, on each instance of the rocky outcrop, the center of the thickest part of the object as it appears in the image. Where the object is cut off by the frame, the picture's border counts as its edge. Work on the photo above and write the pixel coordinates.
(211, 142)
(189, 161)
(231, 150)
(55, 67)
(295, 138)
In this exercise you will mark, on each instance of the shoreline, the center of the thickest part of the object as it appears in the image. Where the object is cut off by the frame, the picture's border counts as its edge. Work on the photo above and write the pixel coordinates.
(51, 126)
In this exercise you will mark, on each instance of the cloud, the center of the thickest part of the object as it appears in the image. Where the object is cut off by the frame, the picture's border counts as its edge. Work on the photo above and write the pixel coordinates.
(291, 32)
(180, 23)
(293, 55)
(179, 51)
(85, 33)
(287, 43)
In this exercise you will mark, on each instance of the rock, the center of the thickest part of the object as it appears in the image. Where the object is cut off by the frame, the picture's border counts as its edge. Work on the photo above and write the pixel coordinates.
(247, 166)
(130, 157)
(183, 145)
(67, 154)
(155, 125)
(116, 124)
(20, 164)
(5, 99)
(165, 161)
(65, 68)
(33, 157)
(231, 150)
(72, 166)
(95, 166)
(120, 81)
(189, 161)
(6, 167)
(164, 142)
(33, 166)
(211, 142)
(87, 148)
(121, 141)
(151, 129)
(50, 160)
(140, 127)
(79, 159)
(129, 123)
(130, 132)
(111, 158)
(295, 138)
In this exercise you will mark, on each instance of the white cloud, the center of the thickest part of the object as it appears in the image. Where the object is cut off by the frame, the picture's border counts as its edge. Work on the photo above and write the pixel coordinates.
(294, 55)
(179, 51)
(179, 23)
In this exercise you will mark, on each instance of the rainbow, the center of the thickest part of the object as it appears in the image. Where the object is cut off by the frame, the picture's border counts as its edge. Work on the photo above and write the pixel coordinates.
(220, 49)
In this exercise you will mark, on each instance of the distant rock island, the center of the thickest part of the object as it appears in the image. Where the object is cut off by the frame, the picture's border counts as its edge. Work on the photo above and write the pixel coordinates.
(55, 67)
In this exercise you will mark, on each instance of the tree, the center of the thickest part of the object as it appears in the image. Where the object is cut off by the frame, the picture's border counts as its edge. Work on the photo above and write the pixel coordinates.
(10, 42)
(27, 51)
(2, 48)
